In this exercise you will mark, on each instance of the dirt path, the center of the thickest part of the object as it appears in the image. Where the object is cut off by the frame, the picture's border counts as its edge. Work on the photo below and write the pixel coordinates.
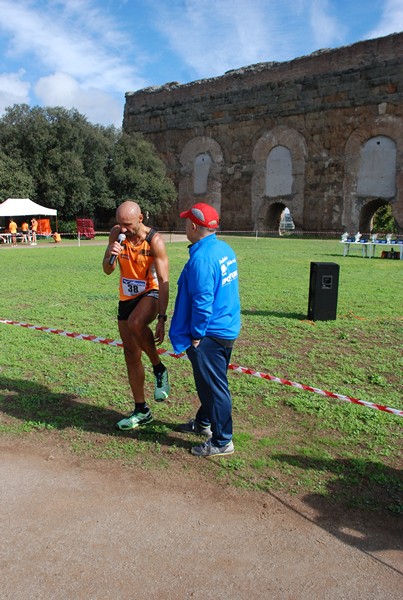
(93, 530)
(83, 529)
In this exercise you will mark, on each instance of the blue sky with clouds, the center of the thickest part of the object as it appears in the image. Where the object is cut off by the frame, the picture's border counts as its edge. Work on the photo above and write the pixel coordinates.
(87, 53)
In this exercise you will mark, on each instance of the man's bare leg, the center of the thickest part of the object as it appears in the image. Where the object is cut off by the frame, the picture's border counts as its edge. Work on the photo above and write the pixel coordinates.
(137, 338)
(138, 326)
(135, 368)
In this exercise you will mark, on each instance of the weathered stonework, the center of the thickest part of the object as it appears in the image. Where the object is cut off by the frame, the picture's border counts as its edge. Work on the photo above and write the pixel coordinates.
(301, 134)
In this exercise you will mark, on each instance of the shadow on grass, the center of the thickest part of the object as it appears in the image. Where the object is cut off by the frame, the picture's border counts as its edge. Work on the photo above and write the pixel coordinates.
(348, 256)
(361, 505)
(35, 403)
(272, 313)
(372, 487)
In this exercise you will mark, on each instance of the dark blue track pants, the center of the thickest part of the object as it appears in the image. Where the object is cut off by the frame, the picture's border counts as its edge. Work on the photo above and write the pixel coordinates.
(210, 362)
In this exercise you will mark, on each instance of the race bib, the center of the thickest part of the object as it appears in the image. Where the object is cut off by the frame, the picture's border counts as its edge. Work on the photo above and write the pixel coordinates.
(133, 287)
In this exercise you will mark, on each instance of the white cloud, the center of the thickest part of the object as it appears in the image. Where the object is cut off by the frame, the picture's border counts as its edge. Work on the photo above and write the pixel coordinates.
(60, 89)
(76, 39)
(326, 28)
(13, 89)
(213, 37)
(391, 20)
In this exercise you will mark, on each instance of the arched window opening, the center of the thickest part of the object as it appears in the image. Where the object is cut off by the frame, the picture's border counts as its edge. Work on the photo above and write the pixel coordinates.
(377, 170)
(286, 224)
(382, 219)
(202, 165)
(278, 218)
(278, 172)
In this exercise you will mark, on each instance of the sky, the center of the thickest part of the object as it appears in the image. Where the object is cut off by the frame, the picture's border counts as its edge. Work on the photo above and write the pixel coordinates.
(86, 54)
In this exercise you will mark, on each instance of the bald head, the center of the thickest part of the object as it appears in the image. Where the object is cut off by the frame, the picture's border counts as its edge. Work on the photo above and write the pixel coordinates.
(130, 219)
(128, 211)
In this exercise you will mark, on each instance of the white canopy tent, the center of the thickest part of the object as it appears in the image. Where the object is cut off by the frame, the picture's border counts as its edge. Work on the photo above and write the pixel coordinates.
(21, 207)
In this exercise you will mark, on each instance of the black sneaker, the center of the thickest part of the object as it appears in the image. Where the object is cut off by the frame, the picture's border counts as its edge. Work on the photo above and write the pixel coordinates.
(194, 426)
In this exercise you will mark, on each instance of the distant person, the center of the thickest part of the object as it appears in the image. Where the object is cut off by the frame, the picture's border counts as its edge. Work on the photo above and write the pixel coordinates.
(144, 290)
(12, 228)
(205, 324)
(57, 237)
(25, 232)
(34, 229)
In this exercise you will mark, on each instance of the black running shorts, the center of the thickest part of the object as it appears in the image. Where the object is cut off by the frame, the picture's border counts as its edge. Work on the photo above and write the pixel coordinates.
(126, 307)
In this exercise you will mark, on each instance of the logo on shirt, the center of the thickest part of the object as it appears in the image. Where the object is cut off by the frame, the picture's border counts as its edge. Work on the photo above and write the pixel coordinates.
(227, 276)
(230, 277)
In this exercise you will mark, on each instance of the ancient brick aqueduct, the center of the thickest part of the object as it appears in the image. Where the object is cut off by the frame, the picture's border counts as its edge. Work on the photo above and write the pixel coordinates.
(321, 135)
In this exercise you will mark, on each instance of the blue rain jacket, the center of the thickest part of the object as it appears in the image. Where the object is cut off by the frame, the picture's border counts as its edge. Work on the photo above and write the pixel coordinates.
(207, 302)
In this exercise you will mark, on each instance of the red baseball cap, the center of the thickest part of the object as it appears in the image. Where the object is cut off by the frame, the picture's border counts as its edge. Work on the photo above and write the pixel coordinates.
(202, 214)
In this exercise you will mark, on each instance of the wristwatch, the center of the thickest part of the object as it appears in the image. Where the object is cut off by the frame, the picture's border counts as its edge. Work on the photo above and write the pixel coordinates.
(164, 317)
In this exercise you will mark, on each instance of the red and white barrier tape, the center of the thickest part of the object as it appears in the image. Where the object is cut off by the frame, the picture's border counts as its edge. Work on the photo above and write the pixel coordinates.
(235, 368)
(308, 388)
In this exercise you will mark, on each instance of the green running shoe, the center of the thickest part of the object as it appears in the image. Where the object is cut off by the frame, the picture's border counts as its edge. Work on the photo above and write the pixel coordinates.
(134, 420)
(161, 389)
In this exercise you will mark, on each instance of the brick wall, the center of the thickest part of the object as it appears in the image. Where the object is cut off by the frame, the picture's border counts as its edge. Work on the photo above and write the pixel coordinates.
(323, 107)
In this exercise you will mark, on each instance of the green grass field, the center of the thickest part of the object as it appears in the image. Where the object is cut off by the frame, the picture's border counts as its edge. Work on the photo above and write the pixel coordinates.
(68, 393)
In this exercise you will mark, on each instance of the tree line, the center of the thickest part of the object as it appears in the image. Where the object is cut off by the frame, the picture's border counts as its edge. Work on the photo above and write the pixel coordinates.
(58, 159)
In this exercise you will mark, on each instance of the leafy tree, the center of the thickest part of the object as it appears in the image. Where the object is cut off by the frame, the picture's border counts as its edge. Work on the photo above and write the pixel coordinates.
(384, 221)
(59, 159)
(136, 172)
(15, 181)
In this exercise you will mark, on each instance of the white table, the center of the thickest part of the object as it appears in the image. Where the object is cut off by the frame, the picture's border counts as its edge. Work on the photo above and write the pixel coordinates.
(8, 237)
(365, 247)
(368, 248)
(397, 247)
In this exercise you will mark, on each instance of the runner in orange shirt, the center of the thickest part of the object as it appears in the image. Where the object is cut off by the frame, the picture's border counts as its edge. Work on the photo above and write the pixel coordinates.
(34, 229)
(12, 227)
(143, 292)
(25, 232)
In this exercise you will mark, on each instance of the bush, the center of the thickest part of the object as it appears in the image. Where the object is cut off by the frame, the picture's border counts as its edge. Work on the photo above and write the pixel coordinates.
(67, 227)
(384, 221)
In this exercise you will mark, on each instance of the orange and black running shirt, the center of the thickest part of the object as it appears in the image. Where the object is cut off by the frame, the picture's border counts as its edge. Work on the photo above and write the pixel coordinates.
(137, 268)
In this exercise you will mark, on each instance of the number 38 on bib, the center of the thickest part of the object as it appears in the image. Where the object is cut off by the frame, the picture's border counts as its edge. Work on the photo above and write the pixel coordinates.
(133, 287)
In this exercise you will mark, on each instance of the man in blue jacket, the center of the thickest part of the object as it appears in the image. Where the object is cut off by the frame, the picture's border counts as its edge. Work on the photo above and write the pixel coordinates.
(205, 324)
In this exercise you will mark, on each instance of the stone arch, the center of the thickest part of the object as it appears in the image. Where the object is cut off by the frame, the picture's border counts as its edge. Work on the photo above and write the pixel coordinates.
(367, 213)
(200, 176)
(359, 198)
(267, 200)
(270, 215)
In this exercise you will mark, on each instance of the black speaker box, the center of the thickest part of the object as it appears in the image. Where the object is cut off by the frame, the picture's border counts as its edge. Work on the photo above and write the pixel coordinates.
(323, 291)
